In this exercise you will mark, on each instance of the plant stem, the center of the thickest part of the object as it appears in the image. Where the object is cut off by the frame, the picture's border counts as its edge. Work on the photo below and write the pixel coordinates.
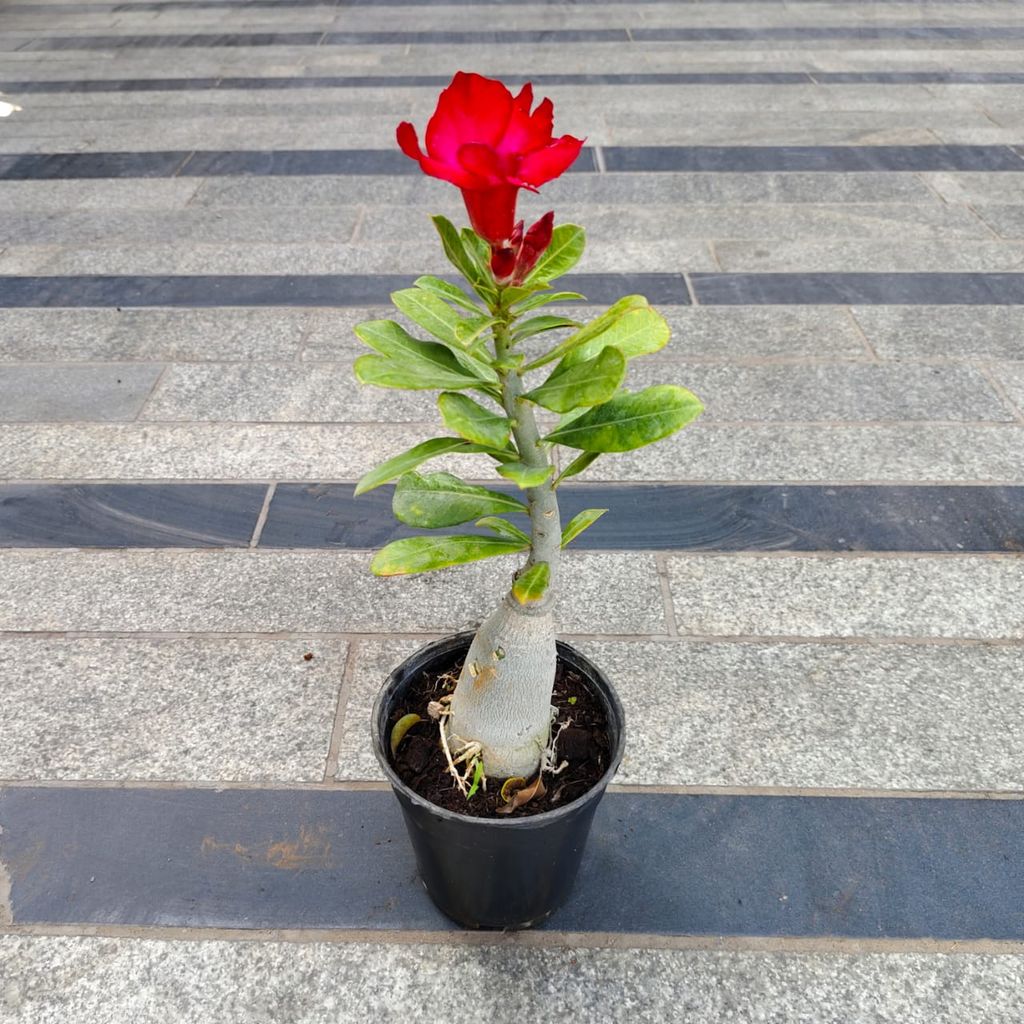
(545, 523)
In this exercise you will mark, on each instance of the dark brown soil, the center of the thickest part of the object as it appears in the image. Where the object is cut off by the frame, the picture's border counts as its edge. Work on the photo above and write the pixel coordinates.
(584, 744)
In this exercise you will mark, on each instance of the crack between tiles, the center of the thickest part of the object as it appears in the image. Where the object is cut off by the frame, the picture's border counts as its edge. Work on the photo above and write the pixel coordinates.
(868, 347)
(539, 940)
(985, 369)
(337, 731)
(261, 519)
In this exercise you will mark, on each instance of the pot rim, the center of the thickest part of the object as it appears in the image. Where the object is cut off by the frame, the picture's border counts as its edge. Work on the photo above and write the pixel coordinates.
(605, 690)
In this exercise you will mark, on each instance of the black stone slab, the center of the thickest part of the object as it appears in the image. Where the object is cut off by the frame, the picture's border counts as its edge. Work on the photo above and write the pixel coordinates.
(218, 163)
(129, 515)
(812, 158)
(89, 85)
(203, 164)
(669, 864)
(657, 517)
(794, 32)
(168, 41)
(966, 289)
(326, 290)
(49, 166)
(221, 163)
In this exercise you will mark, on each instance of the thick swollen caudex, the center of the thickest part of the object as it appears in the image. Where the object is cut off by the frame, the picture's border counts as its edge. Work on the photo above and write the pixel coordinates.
(503, 699)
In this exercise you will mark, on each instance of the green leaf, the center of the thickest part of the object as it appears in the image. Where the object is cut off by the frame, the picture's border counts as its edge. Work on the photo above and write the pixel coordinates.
(461, 259)
(421, 357)
(445, 290)
(478, 251)
(538, 324)
(433, 314)
(589, 383)
(581, 522)
(436, 500)
(636, 333)
(525, 476)
(591, 330)
(478, 776)
(411, 459)
(471, 328)
(564, 252)
(535, 301)
(503, 528)
(512, 295)
(631, 421)
(423, 554)
(532, 583)
(577, 466)
(382, 372)
(472, 421)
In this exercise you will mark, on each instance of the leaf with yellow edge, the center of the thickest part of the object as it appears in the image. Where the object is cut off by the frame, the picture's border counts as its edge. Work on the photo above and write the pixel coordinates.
(581, 522)
(532, 584)
(400, 728)
(534, 791)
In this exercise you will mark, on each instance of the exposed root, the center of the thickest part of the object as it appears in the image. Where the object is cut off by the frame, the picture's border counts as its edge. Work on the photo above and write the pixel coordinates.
(548, 756)
(468, 754)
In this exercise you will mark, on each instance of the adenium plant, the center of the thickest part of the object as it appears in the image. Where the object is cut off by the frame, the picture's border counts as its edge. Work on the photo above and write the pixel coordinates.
(495, 393)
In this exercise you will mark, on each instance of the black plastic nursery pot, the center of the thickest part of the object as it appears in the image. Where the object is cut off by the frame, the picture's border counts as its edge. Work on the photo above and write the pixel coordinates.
(486, 872)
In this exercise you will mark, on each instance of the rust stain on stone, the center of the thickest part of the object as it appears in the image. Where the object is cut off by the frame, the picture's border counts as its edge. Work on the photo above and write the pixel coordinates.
(311, 849)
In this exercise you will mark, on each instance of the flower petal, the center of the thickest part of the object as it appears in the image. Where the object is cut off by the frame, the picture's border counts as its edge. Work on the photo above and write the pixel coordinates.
(544, 164)
(408, 141)
(482, 162)
(471, 109)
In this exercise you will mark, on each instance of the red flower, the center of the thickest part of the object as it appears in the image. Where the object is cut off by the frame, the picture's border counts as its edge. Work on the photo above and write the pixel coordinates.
(485, 140)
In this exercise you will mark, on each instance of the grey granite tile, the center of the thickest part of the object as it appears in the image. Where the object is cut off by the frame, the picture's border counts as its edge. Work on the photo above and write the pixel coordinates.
(40, 392)
(150, 334)
(155, 451)
(635, 187)
(773, 453)
(276, 392)
(1011, 377)
(1005, 219)
(276, 591)
(608, 225)
(88, 978)
(938, 254)
(929, 596)
(831, 393)
(943, 332)
(736, 333)
(975, 187)
(818, 715)
(225, 710)
(97, 228)
(98, 194)
(332, 336)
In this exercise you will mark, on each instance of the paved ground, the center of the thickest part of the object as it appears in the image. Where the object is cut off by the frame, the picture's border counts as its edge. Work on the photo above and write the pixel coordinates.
(812, 601)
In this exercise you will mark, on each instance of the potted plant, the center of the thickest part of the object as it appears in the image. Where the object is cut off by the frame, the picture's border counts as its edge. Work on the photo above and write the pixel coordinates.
(498, 784)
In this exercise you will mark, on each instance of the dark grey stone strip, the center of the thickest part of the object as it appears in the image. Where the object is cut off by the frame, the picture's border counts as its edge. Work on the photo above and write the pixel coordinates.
(129, 515)
(694, 517)
(618, 159)
(812, 158)
(657, 864)
(447, 37)
(327, 290)
(954, 289)
(645, 517)
(795, 32)
(87, 85)
(338, 290)
(45, 166)
(221, 163)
